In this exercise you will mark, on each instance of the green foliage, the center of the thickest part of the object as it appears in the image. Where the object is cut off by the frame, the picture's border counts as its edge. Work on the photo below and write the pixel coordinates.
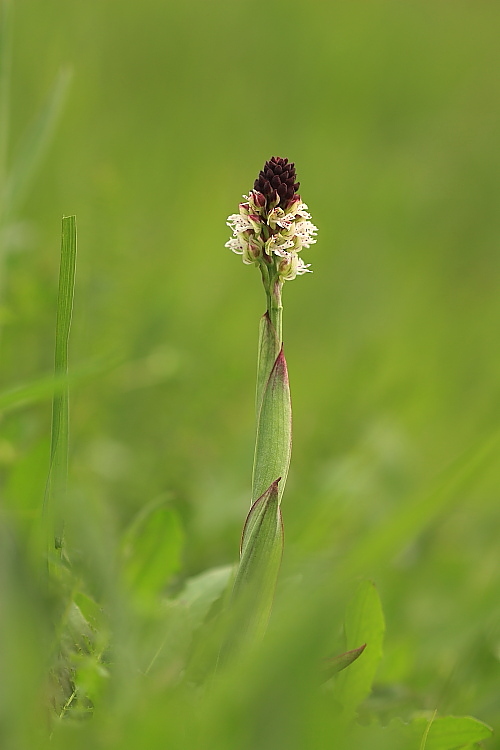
(444, 733)
(390, 111)
(268, 350)
(273, 444)
(260, 560)
(152, 549)
(364, 624)
(55, 497)
(337, 663)
(448, 732)
(202, 591)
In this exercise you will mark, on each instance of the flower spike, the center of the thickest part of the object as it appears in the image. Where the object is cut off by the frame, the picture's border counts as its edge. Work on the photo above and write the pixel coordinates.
(273, 224)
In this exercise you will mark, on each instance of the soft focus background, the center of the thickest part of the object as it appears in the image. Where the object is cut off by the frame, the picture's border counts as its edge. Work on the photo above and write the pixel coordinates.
(391, 112)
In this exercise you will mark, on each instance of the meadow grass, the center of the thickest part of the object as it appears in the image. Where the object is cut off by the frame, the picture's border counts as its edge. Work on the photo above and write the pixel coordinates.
(391, 509)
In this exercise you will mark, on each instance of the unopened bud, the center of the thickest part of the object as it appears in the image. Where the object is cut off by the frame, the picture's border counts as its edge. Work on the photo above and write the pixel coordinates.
(287, 267)
(256, 223)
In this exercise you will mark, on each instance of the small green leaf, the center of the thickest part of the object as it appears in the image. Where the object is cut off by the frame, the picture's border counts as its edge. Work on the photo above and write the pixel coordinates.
(273, 446)
(261, 552)
(335, 664)
(201, 591)
(446, 733)
(450, 732)
(364, 623)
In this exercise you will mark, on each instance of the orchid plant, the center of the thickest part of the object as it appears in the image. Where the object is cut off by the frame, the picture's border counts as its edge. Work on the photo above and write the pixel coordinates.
(272, 227)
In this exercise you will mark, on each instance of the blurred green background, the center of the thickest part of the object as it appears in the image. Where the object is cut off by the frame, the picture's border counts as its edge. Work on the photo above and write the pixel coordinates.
(391, 112)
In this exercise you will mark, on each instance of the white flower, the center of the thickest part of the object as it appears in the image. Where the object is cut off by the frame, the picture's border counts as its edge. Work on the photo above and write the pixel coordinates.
(302, 267)
(238, 223)
(305, 231)
(237, 245)
(302, 211)
(277, 244)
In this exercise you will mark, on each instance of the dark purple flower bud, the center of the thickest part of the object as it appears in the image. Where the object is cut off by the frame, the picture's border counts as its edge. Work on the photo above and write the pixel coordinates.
(277, 178)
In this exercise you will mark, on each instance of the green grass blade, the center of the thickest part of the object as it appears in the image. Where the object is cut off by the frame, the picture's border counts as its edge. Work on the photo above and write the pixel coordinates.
(58, 471)
(364, 623)
(273, 445)
(34, 146)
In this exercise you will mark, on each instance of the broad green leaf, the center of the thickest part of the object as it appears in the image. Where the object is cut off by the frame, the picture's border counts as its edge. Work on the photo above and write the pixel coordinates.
(201, 591)
(273, 446)
(34, 146)
(152, 550)
(269, 348)
(261, 552)
(446, 733)
(335, 664)
(450, 732)
(364, 623)
(58, 471)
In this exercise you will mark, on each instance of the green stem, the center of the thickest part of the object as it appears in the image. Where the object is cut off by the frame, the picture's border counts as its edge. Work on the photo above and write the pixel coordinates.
(275, 308)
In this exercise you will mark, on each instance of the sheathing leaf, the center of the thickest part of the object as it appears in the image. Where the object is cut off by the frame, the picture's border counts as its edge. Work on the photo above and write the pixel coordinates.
(273, 445)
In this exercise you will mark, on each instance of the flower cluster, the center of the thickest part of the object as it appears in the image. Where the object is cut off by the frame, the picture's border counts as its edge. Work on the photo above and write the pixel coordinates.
(273, 225)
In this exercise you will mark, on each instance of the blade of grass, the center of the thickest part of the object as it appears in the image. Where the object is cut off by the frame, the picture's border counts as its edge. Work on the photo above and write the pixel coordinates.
(58, 470)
